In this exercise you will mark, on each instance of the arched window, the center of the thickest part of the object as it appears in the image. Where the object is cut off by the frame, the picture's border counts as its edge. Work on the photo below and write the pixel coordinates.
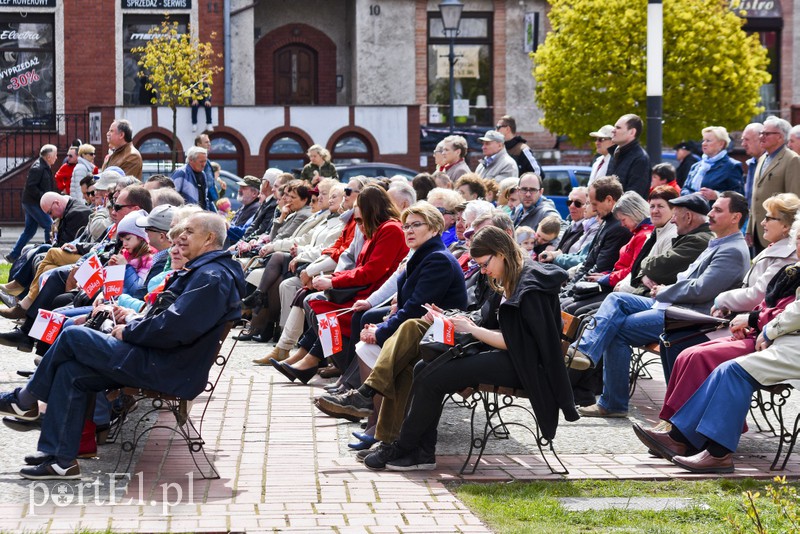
(351, 148)
(227, 153)
(287, 153)
(156, 156)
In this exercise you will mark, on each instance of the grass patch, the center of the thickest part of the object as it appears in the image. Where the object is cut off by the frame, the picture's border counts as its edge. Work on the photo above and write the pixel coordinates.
(533, 507)
(4, 270)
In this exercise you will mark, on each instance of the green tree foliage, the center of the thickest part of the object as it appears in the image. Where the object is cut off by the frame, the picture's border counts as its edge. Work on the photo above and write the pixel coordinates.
(178, 69)
(592, 67)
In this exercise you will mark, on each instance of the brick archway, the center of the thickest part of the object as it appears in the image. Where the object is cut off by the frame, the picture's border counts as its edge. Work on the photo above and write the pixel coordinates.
(290, 34)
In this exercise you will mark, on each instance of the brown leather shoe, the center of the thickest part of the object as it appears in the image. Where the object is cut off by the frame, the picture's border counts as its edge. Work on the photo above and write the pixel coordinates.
(277, 354)
(660, 443)
(595, 410)
(17, 312)
(330, 371)
(703, 462)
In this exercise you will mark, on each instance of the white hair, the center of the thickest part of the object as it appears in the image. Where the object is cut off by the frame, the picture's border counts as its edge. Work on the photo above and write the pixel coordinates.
(194, 151)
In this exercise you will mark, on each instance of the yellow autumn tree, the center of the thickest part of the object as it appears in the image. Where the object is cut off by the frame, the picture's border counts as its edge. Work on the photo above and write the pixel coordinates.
(178, 69)
(592, 67)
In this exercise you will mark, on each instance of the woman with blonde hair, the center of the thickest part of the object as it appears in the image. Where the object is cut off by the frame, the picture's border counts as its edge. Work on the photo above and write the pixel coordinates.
(716, 171)
(319, 166)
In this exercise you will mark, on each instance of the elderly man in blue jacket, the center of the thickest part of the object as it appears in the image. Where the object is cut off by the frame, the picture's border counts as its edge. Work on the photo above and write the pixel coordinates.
(170, 349)
(625, 320)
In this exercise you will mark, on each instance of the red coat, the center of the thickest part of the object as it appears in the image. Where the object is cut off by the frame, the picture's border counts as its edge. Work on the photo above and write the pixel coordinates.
(378, 259)
(628, 253)
(341, 244)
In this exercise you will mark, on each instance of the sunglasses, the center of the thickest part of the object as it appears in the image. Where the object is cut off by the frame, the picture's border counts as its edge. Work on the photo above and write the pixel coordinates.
(90, 193)
(89, 154)
(445, 211)
(348, 191)
(118, 207)
(576, 203)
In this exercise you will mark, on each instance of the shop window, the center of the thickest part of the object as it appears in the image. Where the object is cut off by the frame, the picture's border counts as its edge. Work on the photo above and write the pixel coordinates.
(27, 71)
(157, 156)
(351, 148)
(227, 153)
(287, 153)
(473, 71)
(134, 35)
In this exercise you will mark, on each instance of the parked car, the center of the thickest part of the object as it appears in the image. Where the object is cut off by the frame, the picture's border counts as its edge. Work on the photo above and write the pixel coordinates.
(372, 170)
(559, 181)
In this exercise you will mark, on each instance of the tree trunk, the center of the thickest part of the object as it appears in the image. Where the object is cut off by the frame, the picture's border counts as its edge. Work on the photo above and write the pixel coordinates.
(174, 138)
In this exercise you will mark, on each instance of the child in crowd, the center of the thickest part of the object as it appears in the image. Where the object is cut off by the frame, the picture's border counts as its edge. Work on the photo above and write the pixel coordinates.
(537, 242)
(224, 208)
(526, 238)
(136, 253)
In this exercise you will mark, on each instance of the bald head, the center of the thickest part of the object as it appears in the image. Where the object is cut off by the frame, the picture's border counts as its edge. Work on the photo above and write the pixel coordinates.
(54, 204)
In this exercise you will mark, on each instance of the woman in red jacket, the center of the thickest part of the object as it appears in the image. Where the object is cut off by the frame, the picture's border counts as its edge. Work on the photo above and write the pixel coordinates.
(384, 248)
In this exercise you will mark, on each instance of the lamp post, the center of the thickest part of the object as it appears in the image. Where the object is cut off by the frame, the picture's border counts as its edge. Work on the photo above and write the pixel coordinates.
(451, 20)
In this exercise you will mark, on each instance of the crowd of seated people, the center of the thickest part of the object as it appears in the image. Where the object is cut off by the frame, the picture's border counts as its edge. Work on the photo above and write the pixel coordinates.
(488, 247)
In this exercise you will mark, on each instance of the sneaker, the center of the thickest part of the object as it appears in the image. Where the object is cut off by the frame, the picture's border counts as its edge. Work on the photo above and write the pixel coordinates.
(8, 299)
(361, 455)
(209, 127)
(38, 458)
(352, 404)
(415, 461)
(385, 453)
(50, 470)
(9, 405)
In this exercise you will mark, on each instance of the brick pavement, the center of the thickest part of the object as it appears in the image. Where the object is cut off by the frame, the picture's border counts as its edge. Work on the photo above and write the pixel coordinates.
(283, 467)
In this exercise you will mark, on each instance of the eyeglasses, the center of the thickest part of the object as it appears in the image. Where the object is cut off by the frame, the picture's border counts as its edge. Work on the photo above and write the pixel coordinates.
(764, 134)
(501, 126)
(445, 211)
(90, 193)
(413, 226)
(601, 139)
(50, 209)
(576, 203)
(768, 218)
(527, 190)
(118, 207)
(348, 191)
(89, 154)
(485, 265)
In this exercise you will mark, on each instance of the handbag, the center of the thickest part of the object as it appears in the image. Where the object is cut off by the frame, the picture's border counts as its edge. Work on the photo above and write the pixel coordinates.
(583, 290)
(681, 325)
(343, 294)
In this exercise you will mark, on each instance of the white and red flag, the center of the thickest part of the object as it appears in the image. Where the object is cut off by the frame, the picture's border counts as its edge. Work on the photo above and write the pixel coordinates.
(330, 333)
(443, 329)
(47, 326)
(114, 281)
(90, 275)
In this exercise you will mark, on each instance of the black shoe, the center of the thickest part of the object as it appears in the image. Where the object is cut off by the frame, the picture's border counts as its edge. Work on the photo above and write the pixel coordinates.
(384, 454)
(9, 405)
(9, 258)
(253, 299)
(362, 455)
(415, 461)
(17, 339)
(351, 403)
(303, 375)
(38, 458)
(282, 367)
(20, 425)
(245, 335)
(52, 471)
(261, 338)
(337, 415)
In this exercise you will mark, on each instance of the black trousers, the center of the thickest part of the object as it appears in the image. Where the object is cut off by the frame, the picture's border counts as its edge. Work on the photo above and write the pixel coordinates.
(419, 428)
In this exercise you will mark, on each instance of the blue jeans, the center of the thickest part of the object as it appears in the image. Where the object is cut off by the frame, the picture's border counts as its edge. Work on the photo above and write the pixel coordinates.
(718, 408)
(623, 321)
(34, 217)
(75, 367)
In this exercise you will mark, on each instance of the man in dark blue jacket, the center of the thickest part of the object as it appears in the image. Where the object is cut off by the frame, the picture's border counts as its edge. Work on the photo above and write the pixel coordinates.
(629, 161)
(169, 350)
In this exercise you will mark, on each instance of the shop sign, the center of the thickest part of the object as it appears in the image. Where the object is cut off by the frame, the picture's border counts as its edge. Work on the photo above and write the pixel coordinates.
(27, 3)
(757, 9)
(156, 4)
(467, 61)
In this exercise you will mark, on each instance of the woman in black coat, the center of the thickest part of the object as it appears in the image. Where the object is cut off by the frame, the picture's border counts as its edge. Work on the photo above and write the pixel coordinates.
(526, 355)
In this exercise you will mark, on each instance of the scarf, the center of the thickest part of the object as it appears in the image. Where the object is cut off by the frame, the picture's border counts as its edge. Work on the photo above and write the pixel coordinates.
(784, 284)
(695, 181)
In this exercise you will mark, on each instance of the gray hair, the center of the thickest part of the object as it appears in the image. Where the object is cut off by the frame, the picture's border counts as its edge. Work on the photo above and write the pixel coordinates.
(165, 195)
(271, 174)
(46, 150)
(756, 126)
(795, 226)
(476, 208)
(498, 218)
(405, 190)
(795, 131)
(632, 205)
(194, 151)
(782, 125)
(451, 199)
(214, 224)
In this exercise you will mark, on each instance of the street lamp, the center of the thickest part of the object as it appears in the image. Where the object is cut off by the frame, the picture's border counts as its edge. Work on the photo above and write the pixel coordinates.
(451, 20)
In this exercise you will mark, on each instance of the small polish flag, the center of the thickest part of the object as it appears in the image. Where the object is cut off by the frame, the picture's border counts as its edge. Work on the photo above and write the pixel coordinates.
(443, 329)
(114, 281)
(330, 333)
(90, 275)
(47, 326)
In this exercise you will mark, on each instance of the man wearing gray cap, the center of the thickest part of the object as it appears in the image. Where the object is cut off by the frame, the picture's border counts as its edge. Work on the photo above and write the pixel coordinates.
(249, 189)
(157, 224)
(496, 162)
(624, 320)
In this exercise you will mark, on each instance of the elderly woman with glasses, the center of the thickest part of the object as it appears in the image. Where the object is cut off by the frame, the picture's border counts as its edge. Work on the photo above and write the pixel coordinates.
(84, 167)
